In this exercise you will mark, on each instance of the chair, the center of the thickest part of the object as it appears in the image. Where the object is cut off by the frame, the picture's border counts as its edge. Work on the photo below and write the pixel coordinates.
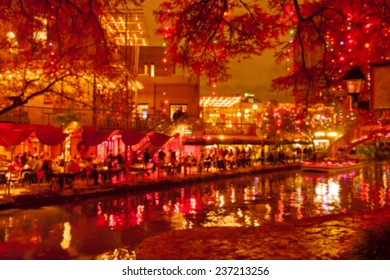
(28, 177)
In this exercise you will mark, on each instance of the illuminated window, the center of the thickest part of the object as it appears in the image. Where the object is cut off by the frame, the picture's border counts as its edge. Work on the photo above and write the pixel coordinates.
(142, 111)
(146, 69)
(174, 107)
(152, 70)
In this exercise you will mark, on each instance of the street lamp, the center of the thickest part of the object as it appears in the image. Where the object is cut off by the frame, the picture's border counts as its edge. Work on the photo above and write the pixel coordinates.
(354, 80)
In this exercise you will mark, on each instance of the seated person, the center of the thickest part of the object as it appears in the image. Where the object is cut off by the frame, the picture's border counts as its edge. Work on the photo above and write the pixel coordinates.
(74, 167)
(91, 172)
(207, 163)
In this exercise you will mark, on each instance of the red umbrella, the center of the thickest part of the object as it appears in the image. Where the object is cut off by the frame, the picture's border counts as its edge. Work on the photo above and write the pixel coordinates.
(13, 137)
(158, 139)
(93, 137)
(10, 138)
(50, 135)
(131, 137)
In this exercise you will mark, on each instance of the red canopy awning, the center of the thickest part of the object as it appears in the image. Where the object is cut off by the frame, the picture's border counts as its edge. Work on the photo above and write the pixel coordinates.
(12, 137)
(50, 135)
(158, 139)
(131, 137)
(93, 137)
(17, 126)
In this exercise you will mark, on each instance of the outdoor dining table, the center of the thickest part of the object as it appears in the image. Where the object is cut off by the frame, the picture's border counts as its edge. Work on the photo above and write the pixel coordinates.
(61, 179)
(107, 173)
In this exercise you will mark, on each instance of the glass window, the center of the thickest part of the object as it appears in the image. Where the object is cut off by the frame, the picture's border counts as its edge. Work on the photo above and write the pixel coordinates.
(152, 70)
(142, 111)
(146, 69)
(175, 107)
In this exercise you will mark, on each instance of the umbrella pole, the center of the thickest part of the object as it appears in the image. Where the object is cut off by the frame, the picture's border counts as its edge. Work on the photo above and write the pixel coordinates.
(10, 172)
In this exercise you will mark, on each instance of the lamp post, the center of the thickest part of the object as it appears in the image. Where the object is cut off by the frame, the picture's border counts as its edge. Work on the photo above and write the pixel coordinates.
(354, 80)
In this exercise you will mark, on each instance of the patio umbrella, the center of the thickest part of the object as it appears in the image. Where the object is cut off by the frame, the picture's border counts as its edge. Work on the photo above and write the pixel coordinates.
(158, 139)
(13, 137)
(131, 137)
(50, 135)
(93, 137)
(10, 138)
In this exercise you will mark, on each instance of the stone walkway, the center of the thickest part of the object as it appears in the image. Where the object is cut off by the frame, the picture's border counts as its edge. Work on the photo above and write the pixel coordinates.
(345, 236)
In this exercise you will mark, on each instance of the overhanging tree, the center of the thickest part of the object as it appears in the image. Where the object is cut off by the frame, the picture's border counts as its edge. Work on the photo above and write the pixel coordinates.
(318, 41)
(57, 48)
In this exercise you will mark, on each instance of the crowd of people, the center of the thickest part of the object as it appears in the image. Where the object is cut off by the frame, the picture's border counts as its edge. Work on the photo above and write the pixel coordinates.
(28, 168)
(224, 158)
(31, 168)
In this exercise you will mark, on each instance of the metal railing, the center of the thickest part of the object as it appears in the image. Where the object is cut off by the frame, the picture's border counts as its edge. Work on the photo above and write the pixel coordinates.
(108, 119)
(230, 129)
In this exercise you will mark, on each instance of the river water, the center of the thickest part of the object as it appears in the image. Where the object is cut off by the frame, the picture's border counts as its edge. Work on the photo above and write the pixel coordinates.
(111, 227)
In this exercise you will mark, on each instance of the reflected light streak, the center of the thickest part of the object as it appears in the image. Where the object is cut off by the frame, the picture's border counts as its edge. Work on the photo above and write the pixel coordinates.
(165, 208)
(248, 221)
(279, 217)
(6, 234)
(221, 201)
(111, 221)
(296, 198)
(99, 208)
(156, 198)
(193, 203)
(36, 239)
(140, 214)
(299, 214)
(385, 180)
(267, 214)
(233, 196)
(382, 197)
(246, 193)
(176, 208)
(334, 190)
(66, 236)
(321, 197)
(364, 191)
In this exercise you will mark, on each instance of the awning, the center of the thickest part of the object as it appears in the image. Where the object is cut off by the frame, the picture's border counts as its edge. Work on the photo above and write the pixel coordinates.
(17, 126)
(131, 137)
(93, 137)
(12, 137)
(50, 135)
(158, 139)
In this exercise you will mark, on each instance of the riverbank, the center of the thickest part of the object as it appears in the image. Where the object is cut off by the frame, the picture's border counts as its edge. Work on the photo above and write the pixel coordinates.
(34, 195)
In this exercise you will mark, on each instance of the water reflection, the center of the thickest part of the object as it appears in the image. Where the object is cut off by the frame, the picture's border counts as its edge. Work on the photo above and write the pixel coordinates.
(110, 228)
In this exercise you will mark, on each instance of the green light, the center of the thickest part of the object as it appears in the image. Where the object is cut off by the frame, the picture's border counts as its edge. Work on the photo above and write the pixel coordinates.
(291, 31)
